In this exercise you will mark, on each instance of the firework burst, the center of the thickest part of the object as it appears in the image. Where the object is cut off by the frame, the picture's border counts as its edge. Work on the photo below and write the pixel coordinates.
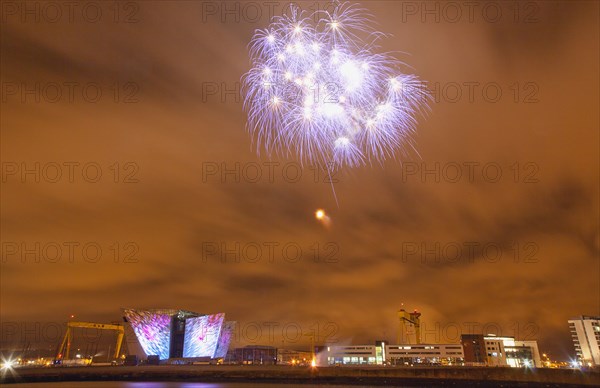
(318, 90)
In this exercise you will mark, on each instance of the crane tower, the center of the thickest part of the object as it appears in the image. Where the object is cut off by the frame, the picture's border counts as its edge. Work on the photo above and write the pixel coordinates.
(407, 320)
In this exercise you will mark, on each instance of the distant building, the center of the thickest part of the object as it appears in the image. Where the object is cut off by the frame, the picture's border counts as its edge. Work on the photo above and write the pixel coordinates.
(425, 354)
(585, 331)
(474, 349)
(252, 355)
(535, 352)
(506, 351)
(351, 355)
(293, 357)
(494, 348)
(382, 353)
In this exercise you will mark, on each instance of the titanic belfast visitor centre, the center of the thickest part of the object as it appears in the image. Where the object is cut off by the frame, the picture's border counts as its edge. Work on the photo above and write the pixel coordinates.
(177, 334)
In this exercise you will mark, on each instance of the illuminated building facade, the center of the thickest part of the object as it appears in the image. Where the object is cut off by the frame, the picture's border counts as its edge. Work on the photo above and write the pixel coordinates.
(180, 334)
(225, 339)
(585, 332)
(425, 354)
(382, 353)
(352, 355)
(506, 351)
(474, 350)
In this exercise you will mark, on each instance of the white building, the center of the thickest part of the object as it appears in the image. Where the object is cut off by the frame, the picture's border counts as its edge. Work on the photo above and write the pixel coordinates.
(382, 353)
(501, 352)
(494, 348)
(506, 351)
(425, 354)
(535, 352)
(585, 331)
(352, 355)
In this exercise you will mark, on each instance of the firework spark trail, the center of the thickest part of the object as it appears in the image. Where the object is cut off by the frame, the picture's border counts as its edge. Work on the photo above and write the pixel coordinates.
(318, 91)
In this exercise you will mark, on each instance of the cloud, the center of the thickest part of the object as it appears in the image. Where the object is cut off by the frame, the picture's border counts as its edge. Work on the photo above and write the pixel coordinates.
(389, 219)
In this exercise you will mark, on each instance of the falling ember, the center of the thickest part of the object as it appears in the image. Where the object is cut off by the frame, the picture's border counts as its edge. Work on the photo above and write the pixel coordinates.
(320, 214)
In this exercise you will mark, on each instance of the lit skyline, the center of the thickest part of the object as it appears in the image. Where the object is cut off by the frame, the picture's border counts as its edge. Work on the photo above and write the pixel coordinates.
(170, 126)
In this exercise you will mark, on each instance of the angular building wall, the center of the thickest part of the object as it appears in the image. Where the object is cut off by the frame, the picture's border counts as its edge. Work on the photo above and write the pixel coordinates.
(152, 329)
(202, 335)
(132, 345)
(225, 339)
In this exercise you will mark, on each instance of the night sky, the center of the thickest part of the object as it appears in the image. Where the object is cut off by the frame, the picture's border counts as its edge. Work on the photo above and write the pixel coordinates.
(169, 121)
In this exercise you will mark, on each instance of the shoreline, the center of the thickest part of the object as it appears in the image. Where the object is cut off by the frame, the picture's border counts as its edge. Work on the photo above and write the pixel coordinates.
(381, 376)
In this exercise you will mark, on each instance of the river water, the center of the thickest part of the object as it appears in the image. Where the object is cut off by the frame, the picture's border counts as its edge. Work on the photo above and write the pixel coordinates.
(119, 384)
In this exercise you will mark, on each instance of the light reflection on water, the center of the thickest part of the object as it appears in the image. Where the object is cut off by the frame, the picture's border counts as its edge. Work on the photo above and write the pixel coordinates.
(122, 384)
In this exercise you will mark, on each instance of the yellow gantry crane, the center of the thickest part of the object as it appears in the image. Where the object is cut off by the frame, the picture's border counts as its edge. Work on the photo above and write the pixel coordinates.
(65, 347)
(409, 319)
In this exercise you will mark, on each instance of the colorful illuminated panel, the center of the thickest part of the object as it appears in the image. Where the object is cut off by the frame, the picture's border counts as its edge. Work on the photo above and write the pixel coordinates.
(225, 339)
(202, 335)
(152, 329)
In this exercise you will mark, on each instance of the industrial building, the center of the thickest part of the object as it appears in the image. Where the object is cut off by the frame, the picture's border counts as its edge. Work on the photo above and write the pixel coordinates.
(252, 355)
(171, 335)
(585, 332)
(294, 357)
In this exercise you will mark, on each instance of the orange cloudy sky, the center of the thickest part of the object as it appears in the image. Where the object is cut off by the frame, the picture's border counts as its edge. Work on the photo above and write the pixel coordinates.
(135, 177)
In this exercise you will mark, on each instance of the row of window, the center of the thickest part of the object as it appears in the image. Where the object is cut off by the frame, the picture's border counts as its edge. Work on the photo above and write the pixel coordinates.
(351, 360)
(417, 353)
(425, 347)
